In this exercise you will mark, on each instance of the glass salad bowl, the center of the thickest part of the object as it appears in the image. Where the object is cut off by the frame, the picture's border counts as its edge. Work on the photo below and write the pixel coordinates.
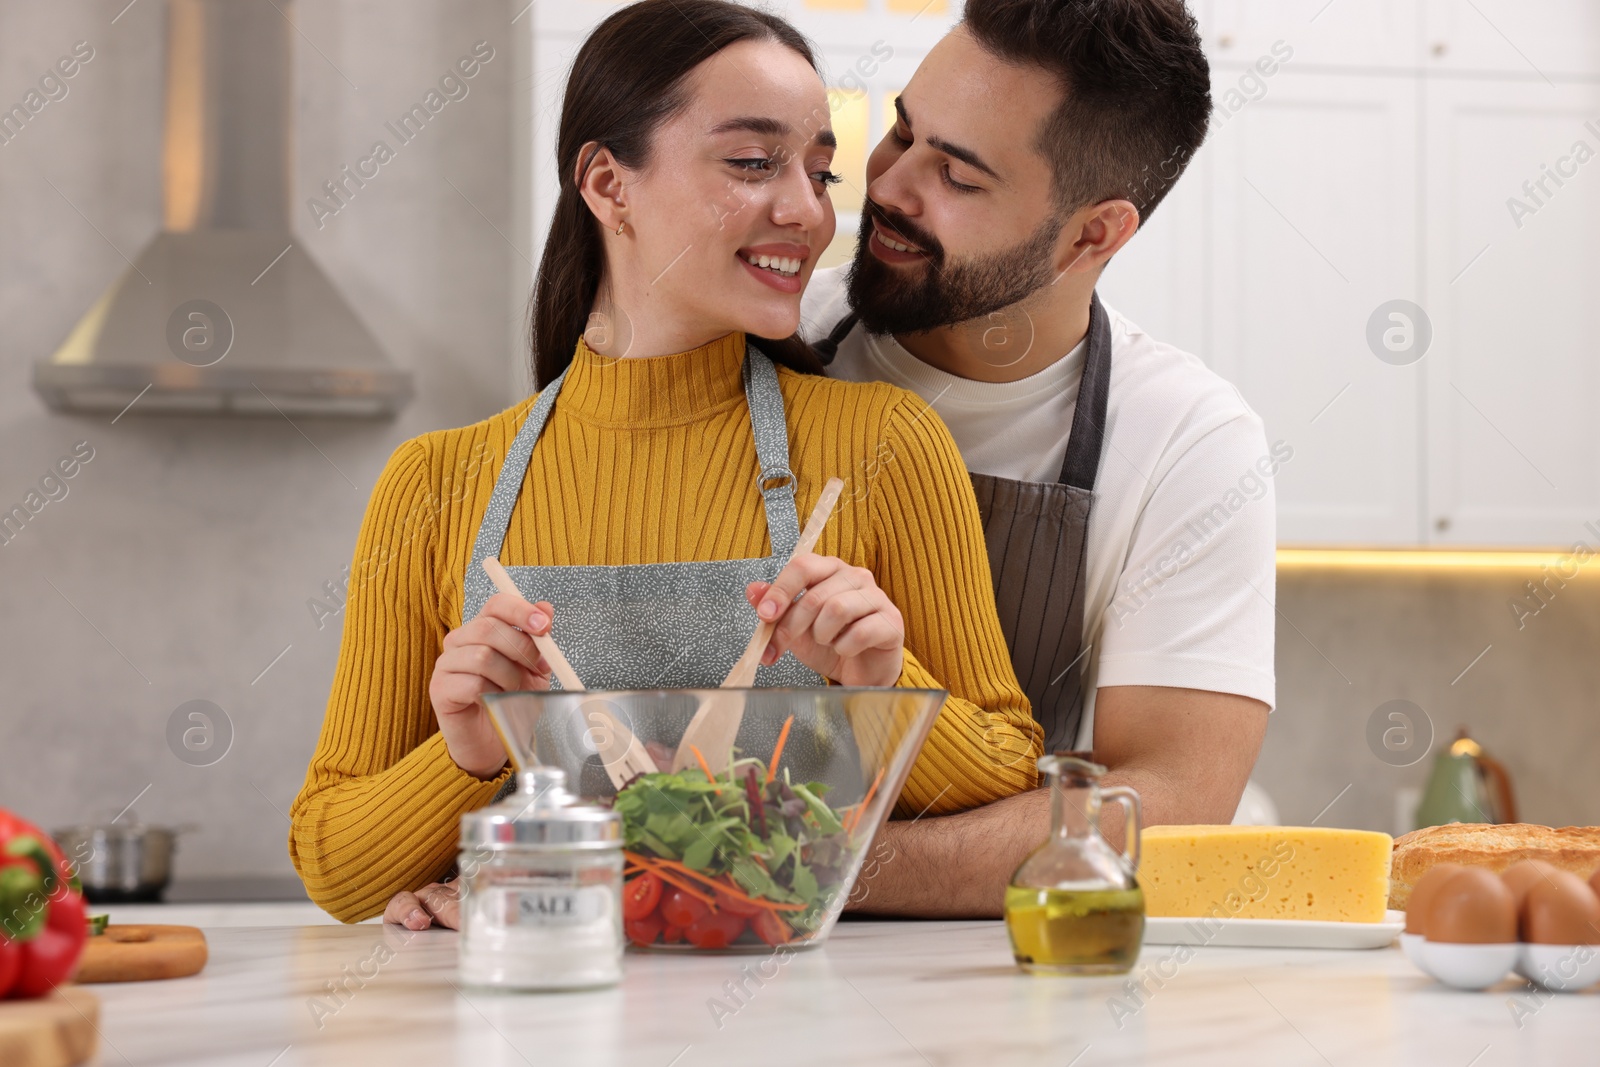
(764, 851)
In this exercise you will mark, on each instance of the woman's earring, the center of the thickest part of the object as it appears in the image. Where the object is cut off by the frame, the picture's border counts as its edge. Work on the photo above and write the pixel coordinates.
(619, 228)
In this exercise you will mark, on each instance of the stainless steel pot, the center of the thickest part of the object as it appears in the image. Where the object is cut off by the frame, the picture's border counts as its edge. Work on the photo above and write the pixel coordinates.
(121, 864)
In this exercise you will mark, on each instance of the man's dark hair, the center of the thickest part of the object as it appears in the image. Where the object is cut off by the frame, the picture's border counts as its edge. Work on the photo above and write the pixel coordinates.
(1137, 90)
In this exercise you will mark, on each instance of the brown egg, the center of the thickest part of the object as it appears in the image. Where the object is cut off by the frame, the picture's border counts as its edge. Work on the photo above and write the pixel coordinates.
(1520, 876)
(1472, 907)
(1594, 882)
(1562, 910)
(1422, 894)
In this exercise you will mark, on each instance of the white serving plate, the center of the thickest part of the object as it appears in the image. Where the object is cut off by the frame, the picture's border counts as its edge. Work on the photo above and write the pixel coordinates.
(1273, 933)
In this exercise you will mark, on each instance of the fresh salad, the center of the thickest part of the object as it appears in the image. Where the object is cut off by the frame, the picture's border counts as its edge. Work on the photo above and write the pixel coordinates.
(744, 856)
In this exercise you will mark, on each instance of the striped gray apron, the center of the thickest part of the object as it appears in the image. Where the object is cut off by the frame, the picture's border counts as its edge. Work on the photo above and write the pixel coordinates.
(1037, 536)
(653, 625)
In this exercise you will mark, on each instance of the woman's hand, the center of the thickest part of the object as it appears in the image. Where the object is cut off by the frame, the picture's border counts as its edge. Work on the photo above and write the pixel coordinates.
(835, 620)
(436, 904)
(491, 654)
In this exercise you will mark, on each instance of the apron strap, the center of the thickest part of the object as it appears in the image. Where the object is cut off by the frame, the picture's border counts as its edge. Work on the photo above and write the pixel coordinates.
(508, 484)
(1084, 444)
(771, 431)
(827, 348)
(1082, 463)
(767, 422)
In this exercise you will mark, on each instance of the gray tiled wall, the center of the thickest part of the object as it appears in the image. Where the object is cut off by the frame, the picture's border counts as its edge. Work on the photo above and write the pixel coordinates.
(180, 562)
(1349, 641)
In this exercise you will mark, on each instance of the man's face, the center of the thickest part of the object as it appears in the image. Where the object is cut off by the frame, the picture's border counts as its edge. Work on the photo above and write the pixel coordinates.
(960, 190)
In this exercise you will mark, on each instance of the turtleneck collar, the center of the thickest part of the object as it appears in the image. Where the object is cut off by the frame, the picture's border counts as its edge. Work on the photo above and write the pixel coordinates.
(658, 390)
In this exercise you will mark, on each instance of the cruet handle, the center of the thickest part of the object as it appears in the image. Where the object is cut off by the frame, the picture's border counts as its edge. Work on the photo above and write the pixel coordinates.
(1128, 797)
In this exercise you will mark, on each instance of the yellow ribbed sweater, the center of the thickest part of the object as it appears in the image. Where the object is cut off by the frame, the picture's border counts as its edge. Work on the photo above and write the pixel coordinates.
(643, 461)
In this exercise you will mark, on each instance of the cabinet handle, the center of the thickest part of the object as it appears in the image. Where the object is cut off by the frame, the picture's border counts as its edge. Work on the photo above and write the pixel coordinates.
(1442, 523)
(1440, 48)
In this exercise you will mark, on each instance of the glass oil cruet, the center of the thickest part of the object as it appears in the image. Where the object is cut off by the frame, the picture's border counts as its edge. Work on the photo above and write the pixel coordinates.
(1074, 906)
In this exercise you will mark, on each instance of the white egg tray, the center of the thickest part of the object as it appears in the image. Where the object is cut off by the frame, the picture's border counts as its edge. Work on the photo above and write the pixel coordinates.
(1559, 968)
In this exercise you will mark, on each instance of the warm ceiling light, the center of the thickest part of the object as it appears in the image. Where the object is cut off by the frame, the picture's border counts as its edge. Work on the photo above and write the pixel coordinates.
(1430, 558)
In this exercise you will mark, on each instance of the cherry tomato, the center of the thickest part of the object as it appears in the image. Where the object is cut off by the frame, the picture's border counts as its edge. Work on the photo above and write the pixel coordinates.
(643, 931)
(641, 895)
(737, 905)
(680, 909)
(770, 927)
(715, 929)
(672, 935)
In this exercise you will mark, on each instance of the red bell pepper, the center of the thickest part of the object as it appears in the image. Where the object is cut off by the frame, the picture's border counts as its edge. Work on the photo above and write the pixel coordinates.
(43, 925)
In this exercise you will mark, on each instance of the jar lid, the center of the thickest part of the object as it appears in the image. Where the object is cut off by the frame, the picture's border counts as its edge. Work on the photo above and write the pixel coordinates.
(541, 814)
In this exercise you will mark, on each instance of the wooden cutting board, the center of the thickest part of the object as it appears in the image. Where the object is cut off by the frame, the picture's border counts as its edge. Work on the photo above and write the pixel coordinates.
(55, 1031)
(127, 952)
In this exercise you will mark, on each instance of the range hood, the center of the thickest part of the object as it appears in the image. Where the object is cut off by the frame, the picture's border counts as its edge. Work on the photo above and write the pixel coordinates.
(224, 311)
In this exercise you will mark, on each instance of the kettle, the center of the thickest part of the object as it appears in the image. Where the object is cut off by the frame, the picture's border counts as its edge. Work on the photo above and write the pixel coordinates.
(1466, 786)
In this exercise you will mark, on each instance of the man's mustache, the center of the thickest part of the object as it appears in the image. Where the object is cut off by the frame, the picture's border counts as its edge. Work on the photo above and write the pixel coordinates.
(910, 231)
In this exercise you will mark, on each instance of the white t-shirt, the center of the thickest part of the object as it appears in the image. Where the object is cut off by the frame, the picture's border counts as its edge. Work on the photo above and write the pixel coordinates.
(1182, 535)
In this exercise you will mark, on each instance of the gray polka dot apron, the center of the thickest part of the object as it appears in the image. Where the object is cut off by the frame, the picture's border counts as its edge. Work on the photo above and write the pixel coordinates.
(653, 625)
(1037, 536)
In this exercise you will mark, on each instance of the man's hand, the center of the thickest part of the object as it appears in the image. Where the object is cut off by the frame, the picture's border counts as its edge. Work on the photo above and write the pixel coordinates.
(1187, 751)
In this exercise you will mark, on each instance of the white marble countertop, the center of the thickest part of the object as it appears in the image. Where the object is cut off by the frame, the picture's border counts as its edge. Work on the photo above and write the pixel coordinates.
(878, 993)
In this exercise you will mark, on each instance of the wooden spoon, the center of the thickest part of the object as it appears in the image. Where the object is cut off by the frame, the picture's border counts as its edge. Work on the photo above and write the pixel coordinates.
(623, 755)
(716, 723)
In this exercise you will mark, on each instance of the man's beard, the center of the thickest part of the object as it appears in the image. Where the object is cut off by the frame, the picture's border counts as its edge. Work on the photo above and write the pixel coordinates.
(943, 293)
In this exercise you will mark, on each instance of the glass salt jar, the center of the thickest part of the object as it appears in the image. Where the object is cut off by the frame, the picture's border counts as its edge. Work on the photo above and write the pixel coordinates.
(541, 890)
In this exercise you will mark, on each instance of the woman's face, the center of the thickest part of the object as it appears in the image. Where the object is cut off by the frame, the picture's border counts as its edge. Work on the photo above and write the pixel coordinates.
(738, 177)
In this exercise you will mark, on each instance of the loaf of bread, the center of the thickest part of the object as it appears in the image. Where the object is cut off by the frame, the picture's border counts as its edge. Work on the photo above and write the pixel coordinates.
(1493, 847)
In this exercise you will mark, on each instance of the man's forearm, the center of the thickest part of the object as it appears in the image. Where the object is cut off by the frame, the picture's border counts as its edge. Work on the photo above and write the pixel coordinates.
(958, 866)
(952, 866)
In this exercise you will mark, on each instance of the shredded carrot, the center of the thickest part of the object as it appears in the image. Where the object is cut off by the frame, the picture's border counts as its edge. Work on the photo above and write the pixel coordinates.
(788, 931)
(728, 886)
(861, 810)
(704, 766)
(772, 905)
(688, 887)
(685, 885)
(777, 750)
(671, 870)
(657, 861)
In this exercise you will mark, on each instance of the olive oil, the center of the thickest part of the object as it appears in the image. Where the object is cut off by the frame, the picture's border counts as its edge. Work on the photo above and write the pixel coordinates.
(1075, 931)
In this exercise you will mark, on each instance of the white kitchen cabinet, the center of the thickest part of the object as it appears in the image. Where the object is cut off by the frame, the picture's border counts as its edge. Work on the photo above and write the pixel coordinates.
(1312, 229)
(1322, 33)
(1513, 217)
(1378, 163)
(1558, 40)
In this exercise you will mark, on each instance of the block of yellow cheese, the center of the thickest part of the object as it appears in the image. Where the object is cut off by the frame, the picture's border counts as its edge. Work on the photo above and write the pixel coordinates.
(1265, 872)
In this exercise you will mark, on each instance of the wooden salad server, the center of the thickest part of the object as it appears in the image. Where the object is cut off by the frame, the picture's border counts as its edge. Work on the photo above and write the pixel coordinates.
(624, 757)
(715, 725)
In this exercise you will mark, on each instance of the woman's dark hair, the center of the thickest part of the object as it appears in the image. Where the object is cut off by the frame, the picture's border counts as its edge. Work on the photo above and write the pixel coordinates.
(1137, 90)
(627, 81)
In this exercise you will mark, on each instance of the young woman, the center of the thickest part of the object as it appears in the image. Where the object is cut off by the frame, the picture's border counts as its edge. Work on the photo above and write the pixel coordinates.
(658, 476)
